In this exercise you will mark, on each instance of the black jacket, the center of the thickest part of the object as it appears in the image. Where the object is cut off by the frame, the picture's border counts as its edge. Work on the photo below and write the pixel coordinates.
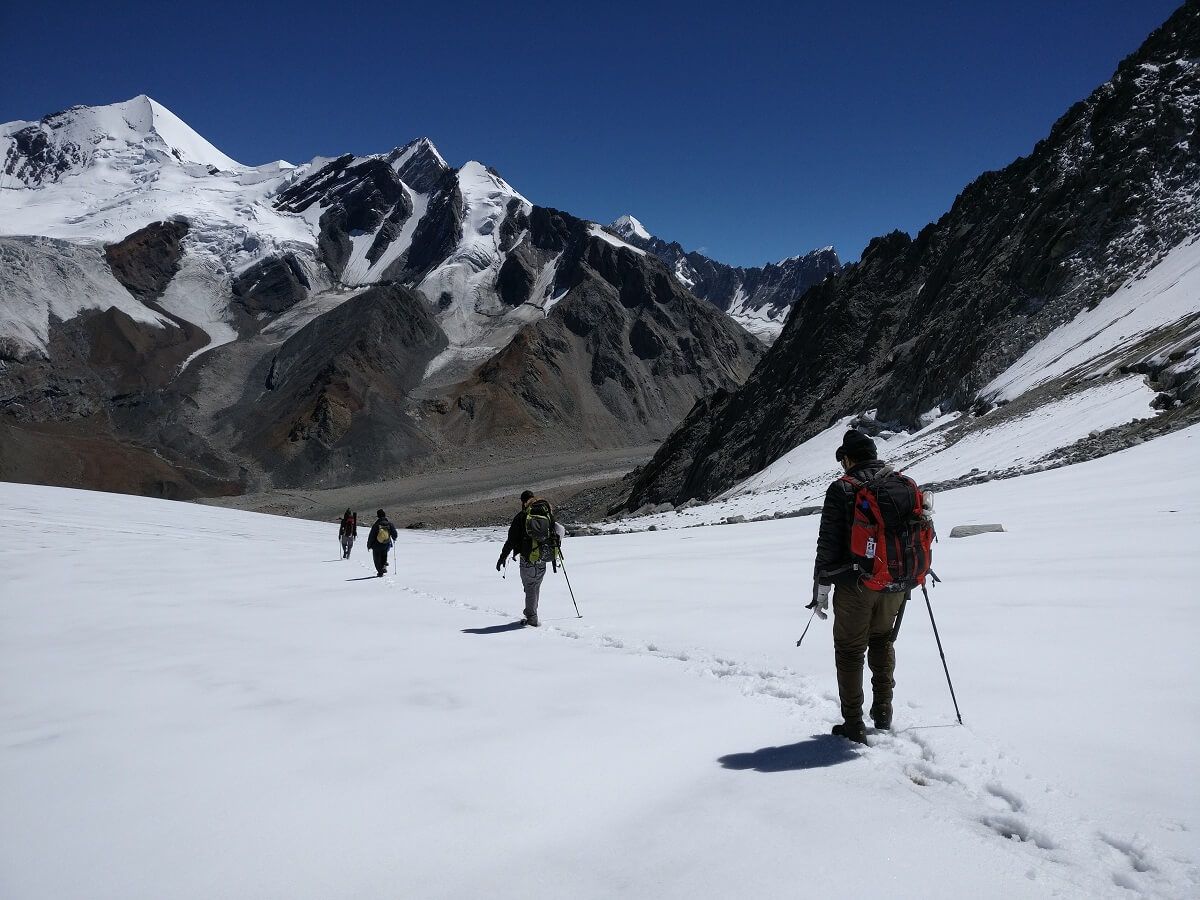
(833, 540)
(518, 541)
(381, 527)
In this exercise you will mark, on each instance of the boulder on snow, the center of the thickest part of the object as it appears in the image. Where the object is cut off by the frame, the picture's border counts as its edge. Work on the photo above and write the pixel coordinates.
(583, 530)
(969, 530)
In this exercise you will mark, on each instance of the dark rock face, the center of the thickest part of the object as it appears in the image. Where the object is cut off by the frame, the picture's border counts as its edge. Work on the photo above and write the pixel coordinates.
(621, 356)
(515, 280)
(422, 168)
(336, 392)
(777, 286)
(89, 412)
(88, 452)
(272, 285)
(367, 196)
(436, 236)
(763, 291)
(358, 196)
(147, 260)
(134, 356)
(36, 158)
(926, 322)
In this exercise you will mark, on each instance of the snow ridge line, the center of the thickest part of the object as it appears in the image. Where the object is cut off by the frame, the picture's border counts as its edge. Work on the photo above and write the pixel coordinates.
(964, 782)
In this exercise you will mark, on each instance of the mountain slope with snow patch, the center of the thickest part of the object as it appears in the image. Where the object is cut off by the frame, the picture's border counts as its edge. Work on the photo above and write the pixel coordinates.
(930, 324)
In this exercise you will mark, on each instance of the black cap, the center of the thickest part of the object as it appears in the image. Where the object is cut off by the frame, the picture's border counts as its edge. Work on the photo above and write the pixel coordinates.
(526, 495)
(857, 446)
(381, 514)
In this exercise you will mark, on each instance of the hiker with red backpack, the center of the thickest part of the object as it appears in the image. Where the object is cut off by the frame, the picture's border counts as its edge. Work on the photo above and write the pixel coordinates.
(347, 532)
(534, 537)
(873, 548)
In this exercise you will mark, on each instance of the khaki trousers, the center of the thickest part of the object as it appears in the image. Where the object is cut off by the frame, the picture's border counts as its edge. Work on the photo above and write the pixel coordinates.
(531, 579)
(862, 627)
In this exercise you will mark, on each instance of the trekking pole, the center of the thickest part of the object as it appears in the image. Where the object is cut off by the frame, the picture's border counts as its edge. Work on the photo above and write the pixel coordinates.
(899, 618)
(578, 614)
(929, 607)
(806, 627)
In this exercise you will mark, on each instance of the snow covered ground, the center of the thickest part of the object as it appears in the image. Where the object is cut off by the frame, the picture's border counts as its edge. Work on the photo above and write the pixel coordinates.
(197, 702)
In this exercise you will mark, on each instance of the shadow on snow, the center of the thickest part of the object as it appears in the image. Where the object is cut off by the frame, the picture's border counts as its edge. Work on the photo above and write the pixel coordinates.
(816, 753)
(496, 629)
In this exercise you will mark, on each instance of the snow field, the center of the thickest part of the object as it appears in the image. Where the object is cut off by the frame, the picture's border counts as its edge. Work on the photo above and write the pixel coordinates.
(200, 702)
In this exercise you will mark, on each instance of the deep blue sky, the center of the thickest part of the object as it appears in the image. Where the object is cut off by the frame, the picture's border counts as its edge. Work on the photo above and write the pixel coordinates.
(752, 130)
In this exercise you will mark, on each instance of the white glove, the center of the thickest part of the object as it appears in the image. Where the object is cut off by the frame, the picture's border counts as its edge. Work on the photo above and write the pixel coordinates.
(820, 600)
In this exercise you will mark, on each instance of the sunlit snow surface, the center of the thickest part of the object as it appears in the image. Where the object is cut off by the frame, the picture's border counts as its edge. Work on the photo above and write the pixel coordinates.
(198, 702)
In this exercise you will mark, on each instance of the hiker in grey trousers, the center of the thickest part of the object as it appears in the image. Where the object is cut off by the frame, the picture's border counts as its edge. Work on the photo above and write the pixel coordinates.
(520, 545)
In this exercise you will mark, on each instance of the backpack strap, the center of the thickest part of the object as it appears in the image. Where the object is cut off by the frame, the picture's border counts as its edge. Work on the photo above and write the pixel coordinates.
(884, 471)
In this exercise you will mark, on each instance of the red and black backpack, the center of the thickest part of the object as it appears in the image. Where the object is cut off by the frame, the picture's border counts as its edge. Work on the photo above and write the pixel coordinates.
(891, 532)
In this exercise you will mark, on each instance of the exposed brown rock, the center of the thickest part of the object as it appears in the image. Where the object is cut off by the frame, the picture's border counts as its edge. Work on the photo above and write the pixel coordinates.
(147, 260)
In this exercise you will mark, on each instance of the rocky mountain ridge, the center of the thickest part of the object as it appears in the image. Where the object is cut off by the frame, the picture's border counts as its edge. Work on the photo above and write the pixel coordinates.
(220, 327)
(758, 298)
(932, 328)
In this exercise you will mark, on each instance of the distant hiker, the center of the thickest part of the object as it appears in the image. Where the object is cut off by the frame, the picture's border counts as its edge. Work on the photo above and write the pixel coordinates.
(874, 547)
(534, 537)
(379, 541)
(347, 532)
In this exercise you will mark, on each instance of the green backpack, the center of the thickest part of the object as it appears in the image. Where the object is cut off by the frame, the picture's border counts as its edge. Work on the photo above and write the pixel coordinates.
(539, 528)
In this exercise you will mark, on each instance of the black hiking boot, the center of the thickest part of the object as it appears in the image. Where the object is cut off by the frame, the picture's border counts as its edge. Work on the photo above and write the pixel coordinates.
(531, 620)
(881, 716)
(851, 731)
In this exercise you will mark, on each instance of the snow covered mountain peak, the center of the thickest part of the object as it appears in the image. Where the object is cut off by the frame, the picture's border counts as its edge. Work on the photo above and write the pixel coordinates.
(130, 135)
(476, 178)
(627, 226)
(419, 164)
(420, 149)
(819, 253)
